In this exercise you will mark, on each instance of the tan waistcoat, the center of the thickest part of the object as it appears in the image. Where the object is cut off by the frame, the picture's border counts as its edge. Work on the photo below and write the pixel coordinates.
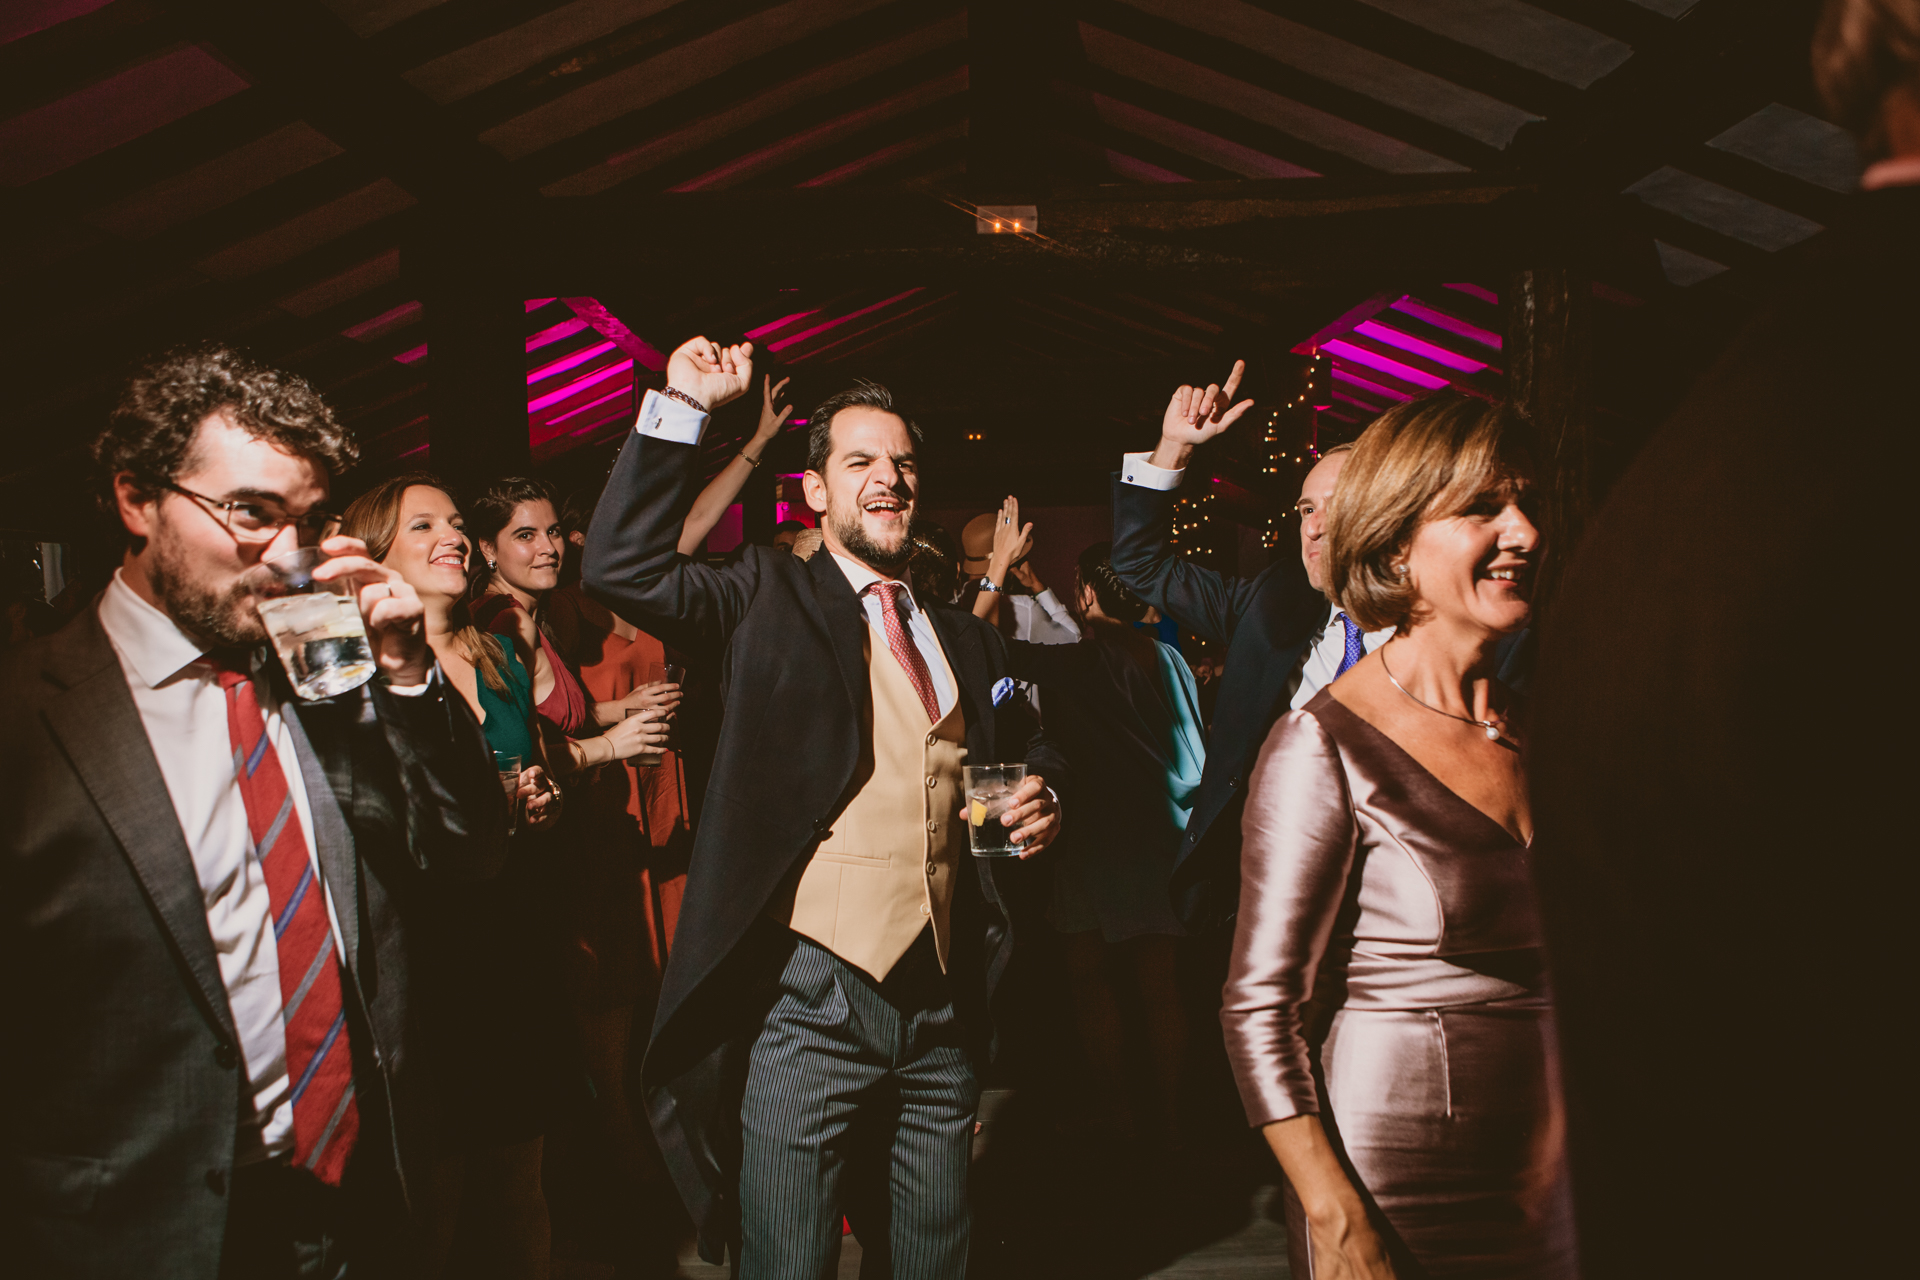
(886, 868)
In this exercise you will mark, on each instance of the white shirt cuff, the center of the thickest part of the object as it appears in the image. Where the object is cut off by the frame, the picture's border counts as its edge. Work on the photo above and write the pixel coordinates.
(668, 419)
(1135, 469)
(417, 690)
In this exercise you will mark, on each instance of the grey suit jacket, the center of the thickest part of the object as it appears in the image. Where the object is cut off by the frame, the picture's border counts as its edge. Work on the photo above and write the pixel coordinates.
(124, 1075)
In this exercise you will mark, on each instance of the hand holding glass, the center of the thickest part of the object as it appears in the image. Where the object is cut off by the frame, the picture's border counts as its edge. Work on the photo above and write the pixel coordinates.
(316, 627)
(989, 795)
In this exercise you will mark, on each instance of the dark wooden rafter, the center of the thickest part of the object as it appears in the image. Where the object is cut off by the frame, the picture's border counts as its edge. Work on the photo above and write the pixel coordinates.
(1229, 125)
(823, 142)
(159, 154)
(1228, 59)
(1686, 82)
(848, 41)
(574, 69)
(298, 52)
(54, 62)
(441, 29)
(1770, 186)
(1624, 20)
(1383, 33)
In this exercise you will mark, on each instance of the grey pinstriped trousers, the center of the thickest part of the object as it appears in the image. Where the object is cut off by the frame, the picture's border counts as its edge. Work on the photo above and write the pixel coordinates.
(867, 1082)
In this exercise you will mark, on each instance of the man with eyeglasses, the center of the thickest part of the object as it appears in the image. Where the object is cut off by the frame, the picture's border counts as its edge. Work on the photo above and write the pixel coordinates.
(201, 875)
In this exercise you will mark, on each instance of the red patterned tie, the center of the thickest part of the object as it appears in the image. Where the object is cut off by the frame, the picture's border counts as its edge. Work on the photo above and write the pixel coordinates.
(905, 651)
(319, 1064)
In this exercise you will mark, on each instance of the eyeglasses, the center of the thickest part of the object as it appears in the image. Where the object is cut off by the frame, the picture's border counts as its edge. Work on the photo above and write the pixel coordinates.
(254, 523)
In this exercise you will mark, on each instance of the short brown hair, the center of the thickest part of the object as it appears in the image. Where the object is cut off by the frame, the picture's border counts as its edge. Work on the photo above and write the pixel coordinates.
(1862, 51)
(1419, 461)
(151, 431)
(863, 394)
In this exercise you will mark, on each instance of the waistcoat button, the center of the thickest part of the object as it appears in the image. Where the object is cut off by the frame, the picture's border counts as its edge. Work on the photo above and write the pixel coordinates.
(931, 868)
(931, 739)
(925, 910)
(932, 825)
(932, 781)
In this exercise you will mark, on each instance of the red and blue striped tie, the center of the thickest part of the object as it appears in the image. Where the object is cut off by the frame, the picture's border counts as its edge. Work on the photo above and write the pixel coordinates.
(319, 1061)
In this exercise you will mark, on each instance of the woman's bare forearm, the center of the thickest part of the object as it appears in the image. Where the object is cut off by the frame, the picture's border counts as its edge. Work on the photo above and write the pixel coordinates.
(1336, 1215)
(713, 503)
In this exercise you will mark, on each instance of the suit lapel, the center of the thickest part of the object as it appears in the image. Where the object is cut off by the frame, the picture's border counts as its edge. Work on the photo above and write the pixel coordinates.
(969, 666)
(846, 625)
(105, 740)
(325, 780)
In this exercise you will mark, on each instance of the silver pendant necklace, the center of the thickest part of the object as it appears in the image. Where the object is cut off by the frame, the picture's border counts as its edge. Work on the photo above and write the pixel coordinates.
(1492, 730)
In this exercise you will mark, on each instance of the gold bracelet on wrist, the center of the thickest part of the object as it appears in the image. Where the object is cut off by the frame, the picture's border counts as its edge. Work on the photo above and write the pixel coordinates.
(752, 462)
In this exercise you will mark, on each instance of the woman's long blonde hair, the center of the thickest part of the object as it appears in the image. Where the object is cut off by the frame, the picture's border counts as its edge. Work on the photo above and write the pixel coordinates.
(374, 518)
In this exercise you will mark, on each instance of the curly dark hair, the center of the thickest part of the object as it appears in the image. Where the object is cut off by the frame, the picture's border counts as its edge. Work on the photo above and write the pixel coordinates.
(151, 432)
(861, 395)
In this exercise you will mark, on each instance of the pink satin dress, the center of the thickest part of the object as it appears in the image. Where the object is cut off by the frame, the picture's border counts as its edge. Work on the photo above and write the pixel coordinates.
(1387, 976)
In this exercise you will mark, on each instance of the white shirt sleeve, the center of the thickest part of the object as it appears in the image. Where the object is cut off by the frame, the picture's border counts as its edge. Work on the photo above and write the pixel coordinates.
(1135, 469)
(670, 420)
(1049, 622)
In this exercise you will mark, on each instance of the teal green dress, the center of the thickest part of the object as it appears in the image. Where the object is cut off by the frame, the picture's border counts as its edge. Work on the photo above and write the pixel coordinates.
(510, 714)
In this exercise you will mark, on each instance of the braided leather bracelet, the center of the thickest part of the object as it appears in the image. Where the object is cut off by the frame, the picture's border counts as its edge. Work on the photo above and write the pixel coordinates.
(674, 393)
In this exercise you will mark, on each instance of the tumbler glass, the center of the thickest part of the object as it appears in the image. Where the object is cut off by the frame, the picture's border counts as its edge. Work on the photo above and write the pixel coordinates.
(315, 627)
(990, 789)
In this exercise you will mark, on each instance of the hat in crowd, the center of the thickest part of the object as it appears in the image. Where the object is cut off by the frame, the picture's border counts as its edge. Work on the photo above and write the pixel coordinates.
(976, 543)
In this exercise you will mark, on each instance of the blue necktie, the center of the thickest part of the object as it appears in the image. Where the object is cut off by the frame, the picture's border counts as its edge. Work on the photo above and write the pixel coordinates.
(1356, 645)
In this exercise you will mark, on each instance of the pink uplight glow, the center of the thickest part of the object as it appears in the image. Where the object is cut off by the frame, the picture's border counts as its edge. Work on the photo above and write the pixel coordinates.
(1373, 360)
(836, 323)
(571, 361)
(1441, 320)
(623, 393)
(1407, 342)
(413, 354)
(1475, 291)
(1371, 388)
(754, 335)
(593, 379)
(554, 333)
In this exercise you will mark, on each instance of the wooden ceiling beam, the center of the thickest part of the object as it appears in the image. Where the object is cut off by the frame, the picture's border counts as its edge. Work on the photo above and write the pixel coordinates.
(653, 36)
(1229, 125)
(300, 53)
(66, 57)
(1252, 68)
(1374, 29)
(846, 42)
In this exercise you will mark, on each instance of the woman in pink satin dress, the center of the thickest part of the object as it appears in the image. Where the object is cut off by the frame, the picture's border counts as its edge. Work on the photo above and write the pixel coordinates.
(1387, 1012)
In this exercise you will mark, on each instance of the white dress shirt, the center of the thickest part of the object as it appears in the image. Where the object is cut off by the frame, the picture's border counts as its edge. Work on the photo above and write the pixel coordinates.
(919, 626)
(668, 419)
(1043, 619)
(1324, 654)
(184, 709)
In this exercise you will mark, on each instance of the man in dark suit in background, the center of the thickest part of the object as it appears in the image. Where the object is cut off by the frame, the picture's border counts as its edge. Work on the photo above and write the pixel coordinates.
(1271, 624)
(208, 1025)
(1725, 839)
(832, 974)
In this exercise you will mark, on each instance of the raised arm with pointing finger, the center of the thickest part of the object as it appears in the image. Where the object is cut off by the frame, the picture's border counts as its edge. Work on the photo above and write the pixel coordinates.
(1267, 623)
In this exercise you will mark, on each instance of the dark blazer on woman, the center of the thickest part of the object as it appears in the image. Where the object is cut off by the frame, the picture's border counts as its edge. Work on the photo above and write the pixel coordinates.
(788, 634)
(124, 1074)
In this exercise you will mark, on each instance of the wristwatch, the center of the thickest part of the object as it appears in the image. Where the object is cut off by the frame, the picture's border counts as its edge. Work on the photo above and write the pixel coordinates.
(988, 584)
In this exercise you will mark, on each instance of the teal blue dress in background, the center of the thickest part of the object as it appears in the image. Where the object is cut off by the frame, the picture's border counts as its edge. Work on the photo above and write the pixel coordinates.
(510, 714)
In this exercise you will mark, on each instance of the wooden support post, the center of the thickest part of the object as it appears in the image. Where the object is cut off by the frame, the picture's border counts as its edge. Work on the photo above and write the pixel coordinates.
(476, 355)
(1548, 355)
